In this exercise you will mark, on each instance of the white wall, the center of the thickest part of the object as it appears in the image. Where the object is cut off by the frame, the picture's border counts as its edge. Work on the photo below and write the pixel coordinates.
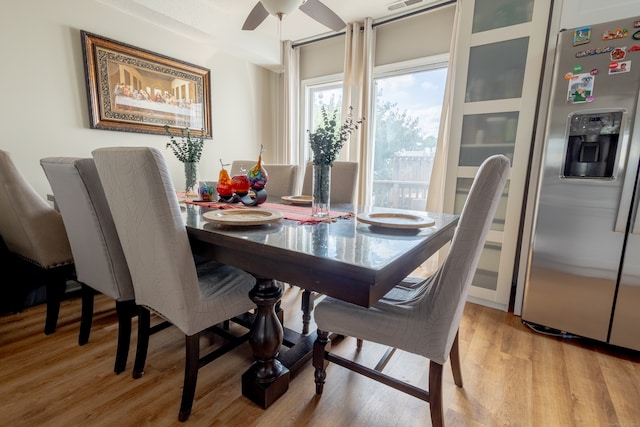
(576, 13)
(43, 102)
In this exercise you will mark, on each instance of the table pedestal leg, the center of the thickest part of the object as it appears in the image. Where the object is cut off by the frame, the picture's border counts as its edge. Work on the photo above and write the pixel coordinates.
(267, 379)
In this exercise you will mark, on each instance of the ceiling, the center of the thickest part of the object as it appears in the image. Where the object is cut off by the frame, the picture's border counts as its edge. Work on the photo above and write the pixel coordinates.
(219, 22)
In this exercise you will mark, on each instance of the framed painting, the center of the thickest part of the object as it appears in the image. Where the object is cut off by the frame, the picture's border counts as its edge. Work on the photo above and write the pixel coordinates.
(135, 90)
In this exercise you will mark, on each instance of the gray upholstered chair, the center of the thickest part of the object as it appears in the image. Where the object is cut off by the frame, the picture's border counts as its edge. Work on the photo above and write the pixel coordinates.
(239, 166)
(420, 316)
(35, 236)
(283, 178)
(98, 256)
(344, 178)
(153, 235)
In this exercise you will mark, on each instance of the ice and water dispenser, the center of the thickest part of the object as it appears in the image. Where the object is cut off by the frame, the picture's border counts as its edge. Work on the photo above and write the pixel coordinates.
(592, 144)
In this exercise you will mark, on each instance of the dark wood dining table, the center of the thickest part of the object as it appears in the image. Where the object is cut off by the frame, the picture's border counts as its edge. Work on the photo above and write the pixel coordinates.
(345, 259)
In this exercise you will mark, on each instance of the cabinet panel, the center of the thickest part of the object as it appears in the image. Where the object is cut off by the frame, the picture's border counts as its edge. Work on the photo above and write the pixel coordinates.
(496, 70)
(492, 14)
(484, 135)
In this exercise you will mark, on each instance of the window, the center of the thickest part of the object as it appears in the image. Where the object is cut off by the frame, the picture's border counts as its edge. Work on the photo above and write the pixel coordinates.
(408, 106)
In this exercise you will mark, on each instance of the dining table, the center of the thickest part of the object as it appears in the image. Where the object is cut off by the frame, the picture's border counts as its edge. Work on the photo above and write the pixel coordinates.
(349, 255)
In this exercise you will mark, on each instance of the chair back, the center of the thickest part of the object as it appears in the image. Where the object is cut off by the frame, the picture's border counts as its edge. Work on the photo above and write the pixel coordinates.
(344, 178)
(238, 166)
(98, 256)
(450, 285)
(283, 178)
(283, 181)
(147, 216)
(30, 227)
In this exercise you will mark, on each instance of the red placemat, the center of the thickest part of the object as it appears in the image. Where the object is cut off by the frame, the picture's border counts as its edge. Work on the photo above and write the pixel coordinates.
(302, 214)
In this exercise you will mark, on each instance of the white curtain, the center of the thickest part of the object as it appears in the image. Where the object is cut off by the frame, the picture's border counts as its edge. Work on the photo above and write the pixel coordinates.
(288, 147)
(358, 93)
(435, 196)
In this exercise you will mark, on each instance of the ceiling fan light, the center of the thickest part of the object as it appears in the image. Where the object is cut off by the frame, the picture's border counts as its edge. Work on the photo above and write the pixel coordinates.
(284, 7)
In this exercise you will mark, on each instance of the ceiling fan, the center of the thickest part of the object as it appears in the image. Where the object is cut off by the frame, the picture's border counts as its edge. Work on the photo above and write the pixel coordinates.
(279, 8)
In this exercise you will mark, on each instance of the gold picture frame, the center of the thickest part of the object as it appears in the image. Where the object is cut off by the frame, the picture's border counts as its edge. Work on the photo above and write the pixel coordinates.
(134, 90)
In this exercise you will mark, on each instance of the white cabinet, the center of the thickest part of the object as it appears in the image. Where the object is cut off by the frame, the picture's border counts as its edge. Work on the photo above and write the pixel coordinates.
(498, 61)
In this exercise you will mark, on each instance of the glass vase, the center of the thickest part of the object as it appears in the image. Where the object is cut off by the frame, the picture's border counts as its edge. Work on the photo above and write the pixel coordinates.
(191, 179)
(321, 190)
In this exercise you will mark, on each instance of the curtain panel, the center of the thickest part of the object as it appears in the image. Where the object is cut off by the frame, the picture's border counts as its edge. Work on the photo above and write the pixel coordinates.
(358, 93)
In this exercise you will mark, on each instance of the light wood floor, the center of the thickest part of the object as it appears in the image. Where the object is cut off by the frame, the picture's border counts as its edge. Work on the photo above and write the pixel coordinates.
(513, 377)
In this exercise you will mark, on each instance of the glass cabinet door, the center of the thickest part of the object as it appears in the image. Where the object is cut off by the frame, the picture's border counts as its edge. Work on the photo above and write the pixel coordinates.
(500, 46)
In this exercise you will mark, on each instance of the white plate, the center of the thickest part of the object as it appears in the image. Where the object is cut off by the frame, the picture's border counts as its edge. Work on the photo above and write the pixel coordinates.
(297, 200)
(255, 216)
(396, 220)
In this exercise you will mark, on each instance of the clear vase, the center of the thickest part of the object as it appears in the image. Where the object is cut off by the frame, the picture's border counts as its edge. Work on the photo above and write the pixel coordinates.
(321, 190)
(191, 179)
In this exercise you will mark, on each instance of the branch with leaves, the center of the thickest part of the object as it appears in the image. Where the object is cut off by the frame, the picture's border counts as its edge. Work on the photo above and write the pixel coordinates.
(189, 148)
(328, 139)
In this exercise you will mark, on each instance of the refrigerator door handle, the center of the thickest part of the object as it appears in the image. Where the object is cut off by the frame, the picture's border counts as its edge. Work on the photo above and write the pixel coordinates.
(630, 176)
(635, 224)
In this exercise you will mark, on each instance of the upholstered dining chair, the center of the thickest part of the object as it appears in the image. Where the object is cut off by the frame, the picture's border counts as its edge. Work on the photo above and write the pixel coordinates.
(344, 177)
(35, 236)
(420, 316)
(240, 166)
(99, 260)
(283, 178)
(145, 210)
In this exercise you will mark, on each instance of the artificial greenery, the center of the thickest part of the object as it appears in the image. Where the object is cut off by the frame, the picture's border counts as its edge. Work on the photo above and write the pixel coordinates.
(189, 149)
(327, 140)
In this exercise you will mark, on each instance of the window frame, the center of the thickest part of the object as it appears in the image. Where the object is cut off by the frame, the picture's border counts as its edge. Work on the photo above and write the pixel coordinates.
(308, 87)
(394, 69)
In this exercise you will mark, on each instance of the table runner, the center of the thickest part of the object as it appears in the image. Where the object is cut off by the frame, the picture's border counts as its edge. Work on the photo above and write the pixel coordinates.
(302, 214)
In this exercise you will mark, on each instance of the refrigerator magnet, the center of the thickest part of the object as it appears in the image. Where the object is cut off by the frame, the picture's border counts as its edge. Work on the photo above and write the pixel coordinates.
(577, 68)
(618, 53)
(618, 33)
(594, 71)
(581, 36)
(636, 35)
(580, 88)
(620, 67)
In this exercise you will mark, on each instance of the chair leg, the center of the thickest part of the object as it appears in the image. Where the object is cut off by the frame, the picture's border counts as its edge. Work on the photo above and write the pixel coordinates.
(190, 376)
(454, 356)
(435, 394)
(55, 290)
(320, 347)
(306, 307)
(87, 314)
(126, 310)
(144, 324)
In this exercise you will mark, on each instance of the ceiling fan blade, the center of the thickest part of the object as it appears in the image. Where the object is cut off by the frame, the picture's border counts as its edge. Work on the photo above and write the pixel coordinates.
(255, 18)
(321, 13)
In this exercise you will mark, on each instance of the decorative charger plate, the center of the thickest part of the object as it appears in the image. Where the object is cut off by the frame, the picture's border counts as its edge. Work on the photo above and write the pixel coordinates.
(256, 216)
(297, 200)
(395, 220)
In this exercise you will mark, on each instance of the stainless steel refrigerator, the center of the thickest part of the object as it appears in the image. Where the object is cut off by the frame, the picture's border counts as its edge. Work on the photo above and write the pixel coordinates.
(584, 269)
